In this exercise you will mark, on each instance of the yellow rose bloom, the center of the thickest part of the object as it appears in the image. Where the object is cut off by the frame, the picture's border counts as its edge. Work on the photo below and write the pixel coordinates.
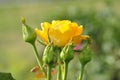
(61, 32)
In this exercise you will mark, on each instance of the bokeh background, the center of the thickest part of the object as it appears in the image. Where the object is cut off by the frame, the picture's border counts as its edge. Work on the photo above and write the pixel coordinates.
(101, 20)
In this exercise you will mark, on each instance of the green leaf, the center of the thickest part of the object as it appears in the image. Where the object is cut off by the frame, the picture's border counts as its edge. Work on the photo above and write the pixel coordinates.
(6, 76)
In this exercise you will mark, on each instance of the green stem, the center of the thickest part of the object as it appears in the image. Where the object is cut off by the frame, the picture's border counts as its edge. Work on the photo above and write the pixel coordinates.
(59, 76)
(65, 70)
(38, 59)
(48, 72)
(59, 71)
(81, 73)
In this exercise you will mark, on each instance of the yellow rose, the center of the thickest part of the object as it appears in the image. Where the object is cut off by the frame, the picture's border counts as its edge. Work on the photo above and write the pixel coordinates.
(61, 32)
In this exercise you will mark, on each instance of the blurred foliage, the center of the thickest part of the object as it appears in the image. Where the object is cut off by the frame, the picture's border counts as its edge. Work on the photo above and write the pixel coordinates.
(6, 76)
(99, 17)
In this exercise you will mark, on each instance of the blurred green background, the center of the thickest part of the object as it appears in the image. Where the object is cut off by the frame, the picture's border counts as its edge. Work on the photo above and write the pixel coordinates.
(101, 20)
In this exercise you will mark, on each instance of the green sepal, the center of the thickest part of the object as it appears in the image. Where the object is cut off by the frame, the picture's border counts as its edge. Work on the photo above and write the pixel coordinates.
(86, 55)
(67, 53)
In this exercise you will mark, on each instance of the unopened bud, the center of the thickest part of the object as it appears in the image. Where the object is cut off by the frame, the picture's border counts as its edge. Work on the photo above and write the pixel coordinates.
(29, 34)
(86, 55)
(49, 55)
(67, 52)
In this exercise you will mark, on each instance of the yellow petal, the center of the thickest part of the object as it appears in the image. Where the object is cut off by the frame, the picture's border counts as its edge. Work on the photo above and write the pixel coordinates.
(62, 26)
(45, 26)
(61, 32)
(58, 38)
(80, 29)
(78, 39)
(42, 35)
